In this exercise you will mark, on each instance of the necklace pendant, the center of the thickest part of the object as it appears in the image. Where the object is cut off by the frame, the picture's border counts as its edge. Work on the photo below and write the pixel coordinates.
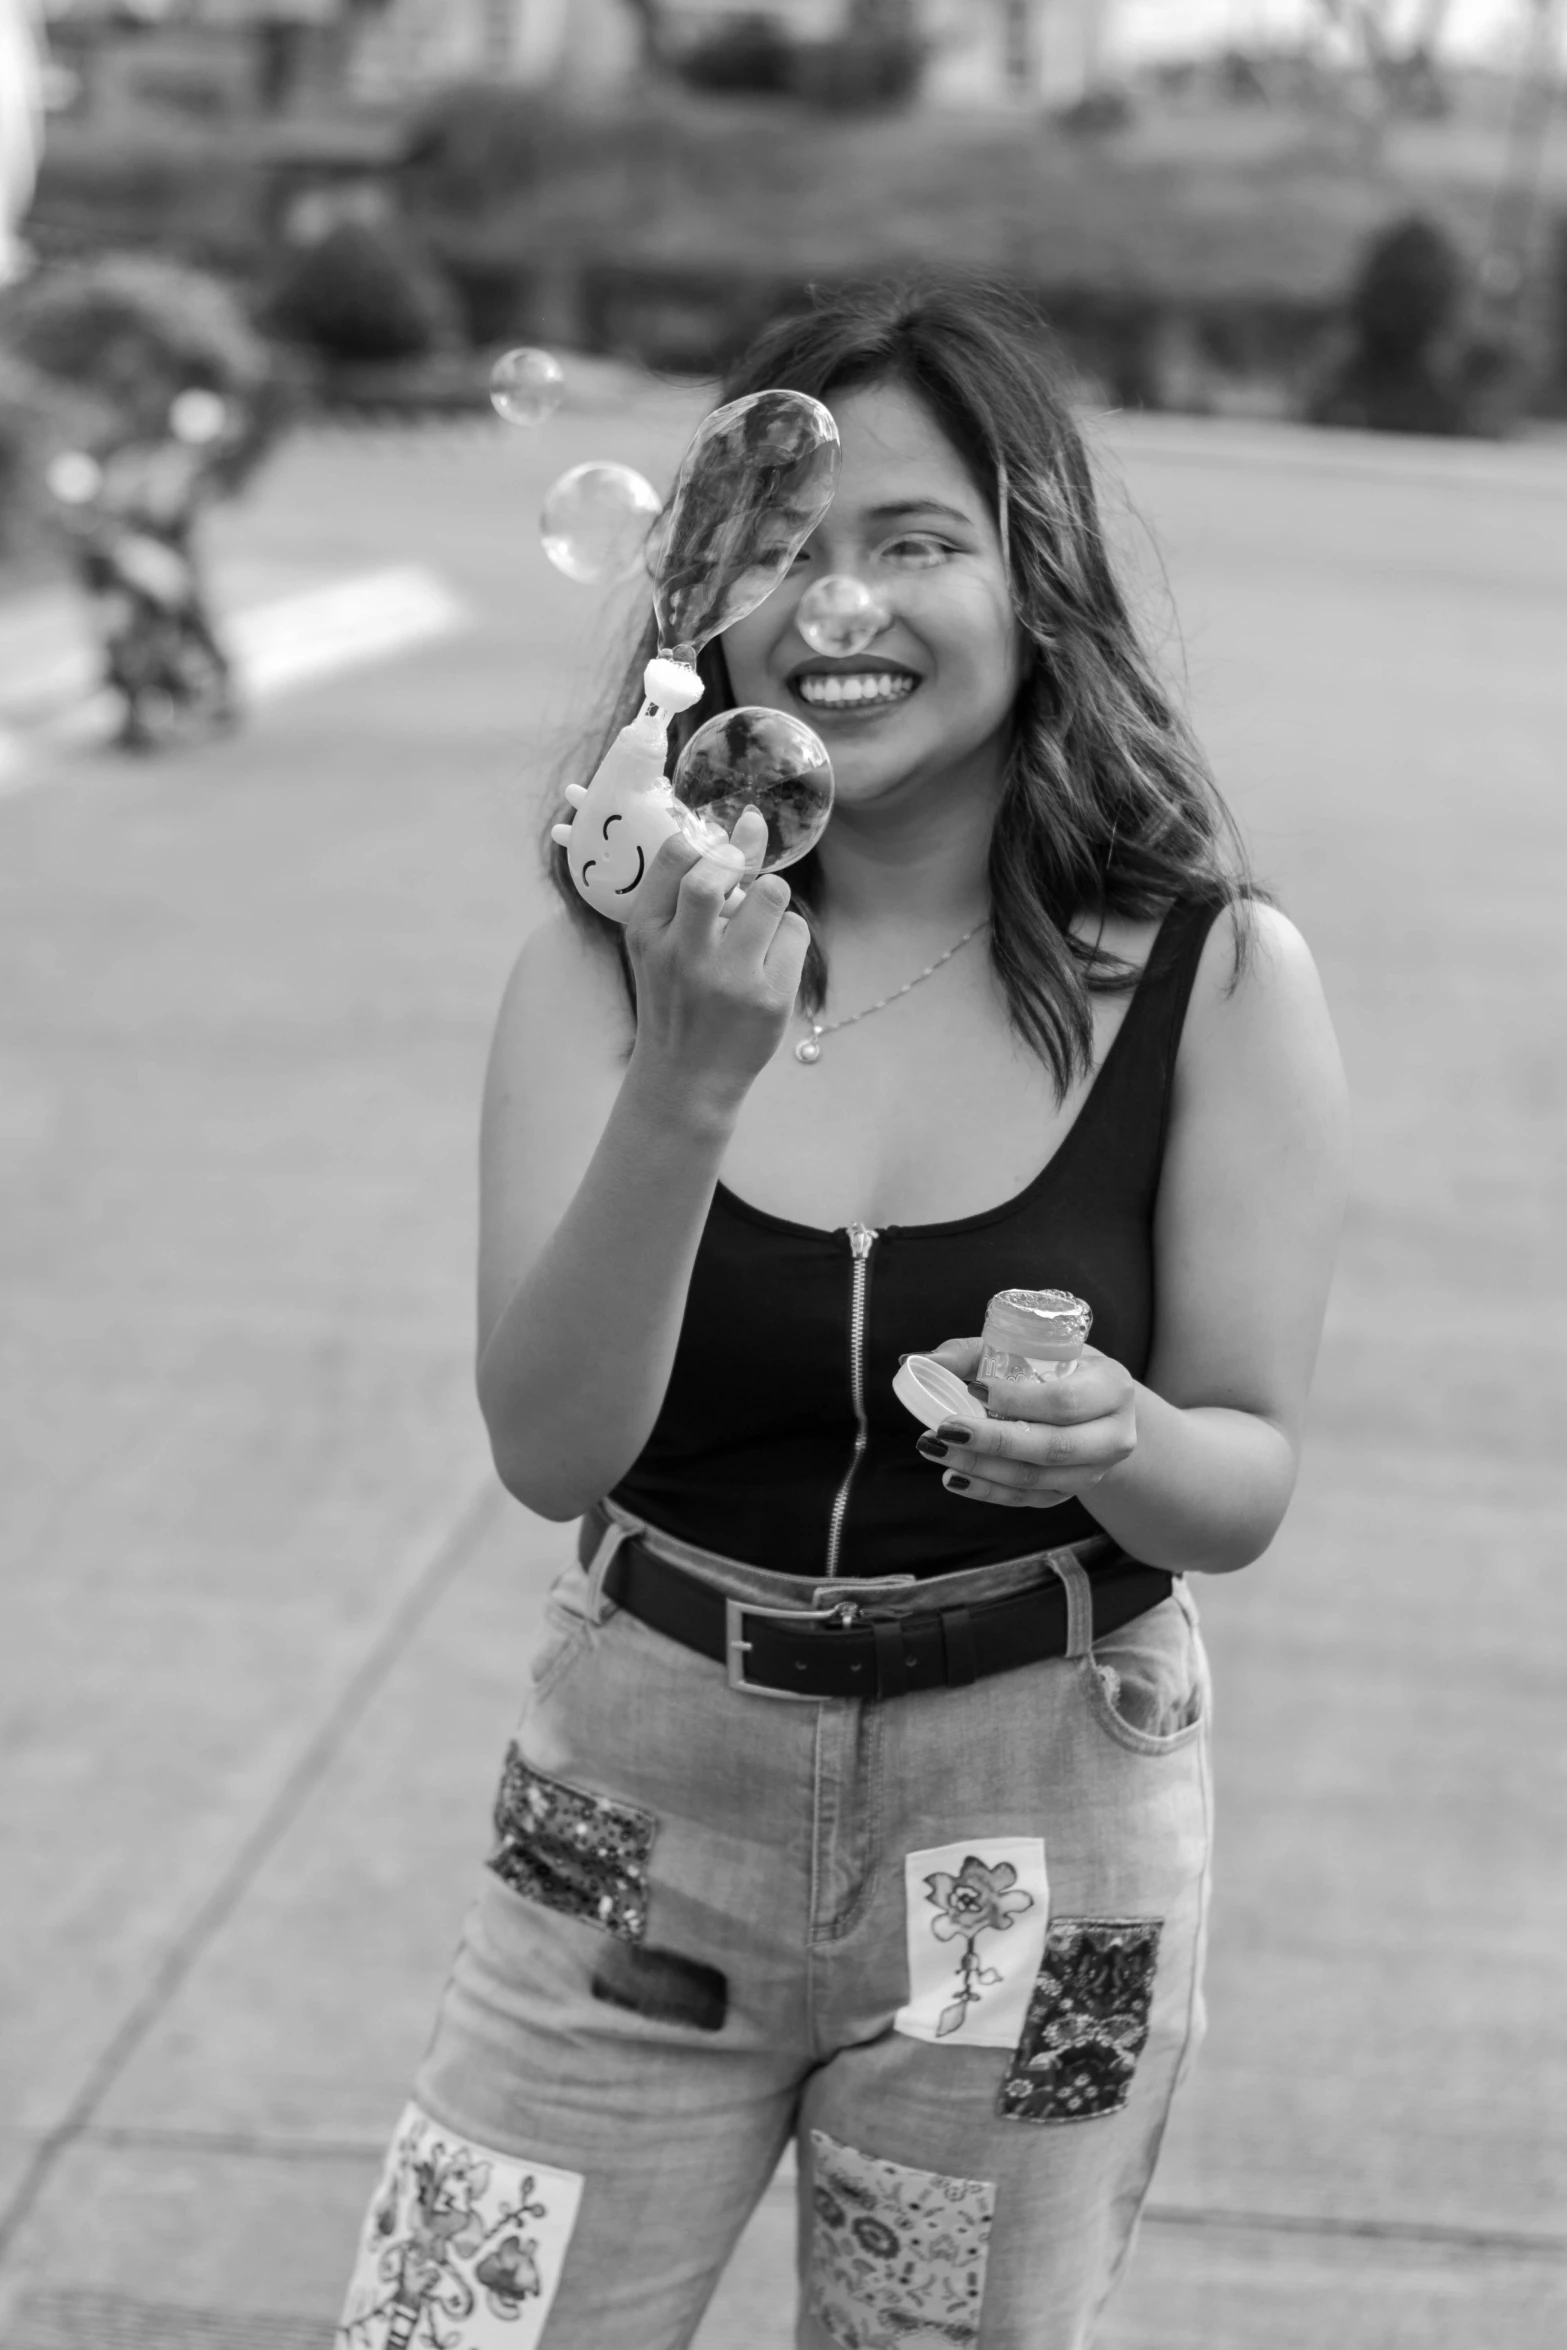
(807, 1050)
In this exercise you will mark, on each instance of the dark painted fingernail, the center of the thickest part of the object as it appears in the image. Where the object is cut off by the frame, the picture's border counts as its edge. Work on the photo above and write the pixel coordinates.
(978, 1390)
(954, 1432)
(957, 1483)
(932, 1447)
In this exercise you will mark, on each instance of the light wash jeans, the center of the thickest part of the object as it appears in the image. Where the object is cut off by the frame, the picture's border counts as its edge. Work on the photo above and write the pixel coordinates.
(951, 1942)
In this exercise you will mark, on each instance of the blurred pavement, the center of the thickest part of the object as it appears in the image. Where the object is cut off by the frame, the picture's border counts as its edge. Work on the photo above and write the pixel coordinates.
(264, 1613)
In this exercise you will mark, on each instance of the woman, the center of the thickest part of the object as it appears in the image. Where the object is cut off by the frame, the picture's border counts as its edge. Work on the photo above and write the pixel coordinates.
(943, 1920)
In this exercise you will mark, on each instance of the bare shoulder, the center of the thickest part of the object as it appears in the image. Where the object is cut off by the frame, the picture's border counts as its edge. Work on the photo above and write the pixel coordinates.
(1258, 1028)
(565, 995)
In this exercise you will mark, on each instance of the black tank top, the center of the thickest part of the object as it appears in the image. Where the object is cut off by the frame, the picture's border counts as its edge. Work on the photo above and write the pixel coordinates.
(780, 1440)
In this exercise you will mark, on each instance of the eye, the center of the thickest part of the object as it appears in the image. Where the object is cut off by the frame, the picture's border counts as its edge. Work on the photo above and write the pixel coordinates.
(918, 550)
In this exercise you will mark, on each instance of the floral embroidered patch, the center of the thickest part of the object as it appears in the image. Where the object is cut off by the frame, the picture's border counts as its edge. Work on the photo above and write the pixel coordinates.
(581, 1854)
(975, 1916)
(897, 2256)
(462, 2248)
(1087, 2021)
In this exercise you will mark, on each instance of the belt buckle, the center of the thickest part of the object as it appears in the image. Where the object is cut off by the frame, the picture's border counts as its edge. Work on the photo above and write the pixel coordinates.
(847, 1612)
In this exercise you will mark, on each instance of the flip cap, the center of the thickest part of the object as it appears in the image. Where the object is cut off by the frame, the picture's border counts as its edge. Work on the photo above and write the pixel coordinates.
(933, 1393)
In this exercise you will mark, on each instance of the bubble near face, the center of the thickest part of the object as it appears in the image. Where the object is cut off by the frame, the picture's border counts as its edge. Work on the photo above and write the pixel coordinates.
(526, 386)
(763, 759)
(840, 615)
(595, 523)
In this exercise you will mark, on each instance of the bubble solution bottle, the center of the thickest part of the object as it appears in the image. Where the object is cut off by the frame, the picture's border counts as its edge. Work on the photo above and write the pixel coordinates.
(1033, 1334)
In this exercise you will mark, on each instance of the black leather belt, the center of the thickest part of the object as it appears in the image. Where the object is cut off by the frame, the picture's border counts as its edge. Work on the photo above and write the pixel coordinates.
(851, 1649)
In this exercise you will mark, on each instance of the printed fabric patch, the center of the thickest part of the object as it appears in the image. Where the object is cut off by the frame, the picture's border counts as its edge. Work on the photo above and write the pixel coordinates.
(976, 1915)
(581, 1854)
(1087, 2021)
(897, 2256)
(462, 2248)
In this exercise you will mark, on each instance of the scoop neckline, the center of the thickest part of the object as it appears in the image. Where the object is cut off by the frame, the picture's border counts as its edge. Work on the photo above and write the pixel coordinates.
(946, 1225)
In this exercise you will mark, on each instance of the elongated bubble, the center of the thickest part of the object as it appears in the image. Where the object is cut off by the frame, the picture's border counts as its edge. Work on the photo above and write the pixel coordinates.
(762, 759)
(840, 615)
(526, 386)
(756, 480)
(595, 523)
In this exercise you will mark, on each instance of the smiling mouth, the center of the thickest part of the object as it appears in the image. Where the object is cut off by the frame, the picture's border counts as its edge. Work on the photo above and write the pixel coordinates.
(837, 690)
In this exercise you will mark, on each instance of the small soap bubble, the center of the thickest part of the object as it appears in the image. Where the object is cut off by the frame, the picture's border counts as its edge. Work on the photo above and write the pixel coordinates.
(526, 386)
(595, 523)
(763, 759)
(839, 615)
(198, 417)
(73, 477)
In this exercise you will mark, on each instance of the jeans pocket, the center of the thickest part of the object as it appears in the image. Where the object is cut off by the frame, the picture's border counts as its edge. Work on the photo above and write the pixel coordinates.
(567, 1631)
(1147, 1682)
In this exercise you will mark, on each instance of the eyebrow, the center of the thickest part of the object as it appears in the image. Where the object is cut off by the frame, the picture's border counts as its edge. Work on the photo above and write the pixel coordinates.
(899, 506)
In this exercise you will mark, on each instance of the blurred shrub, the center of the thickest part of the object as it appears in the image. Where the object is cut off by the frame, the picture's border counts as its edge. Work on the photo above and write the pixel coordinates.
(365, 290)
(473, 142)
(876, 61)
(124, 334)
(1404, 362)
(33, 425)
(752, 54)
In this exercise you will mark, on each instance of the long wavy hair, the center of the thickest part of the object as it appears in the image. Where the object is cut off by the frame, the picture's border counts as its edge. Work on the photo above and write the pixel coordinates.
(1107, 805)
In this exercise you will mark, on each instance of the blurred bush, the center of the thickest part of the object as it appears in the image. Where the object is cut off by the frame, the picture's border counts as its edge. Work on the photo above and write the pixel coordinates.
(1407, 358)
(878, 60)
(124, 334)
(364, 290)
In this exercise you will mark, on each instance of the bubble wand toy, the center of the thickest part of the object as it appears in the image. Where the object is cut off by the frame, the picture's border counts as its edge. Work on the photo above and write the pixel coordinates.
(755, 482)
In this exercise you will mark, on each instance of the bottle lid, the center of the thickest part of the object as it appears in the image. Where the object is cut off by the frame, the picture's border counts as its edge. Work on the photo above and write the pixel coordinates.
(933, 1393)
(1043, 1323)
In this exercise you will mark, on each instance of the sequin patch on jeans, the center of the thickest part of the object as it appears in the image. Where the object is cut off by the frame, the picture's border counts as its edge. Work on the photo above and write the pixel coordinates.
(581, 1854)
(462, 2247)
(897, 2256)
(1087, 2021)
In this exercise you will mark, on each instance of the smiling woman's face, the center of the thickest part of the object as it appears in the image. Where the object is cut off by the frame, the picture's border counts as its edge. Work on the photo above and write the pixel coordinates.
(933, 692)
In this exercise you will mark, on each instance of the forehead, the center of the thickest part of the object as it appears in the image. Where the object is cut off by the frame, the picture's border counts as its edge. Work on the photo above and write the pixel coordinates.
(894, 451)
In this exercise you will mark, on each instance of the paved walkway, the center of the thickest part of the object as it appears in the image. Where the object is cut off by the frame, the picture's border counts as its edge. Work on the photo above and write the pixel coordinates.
(263, 1612)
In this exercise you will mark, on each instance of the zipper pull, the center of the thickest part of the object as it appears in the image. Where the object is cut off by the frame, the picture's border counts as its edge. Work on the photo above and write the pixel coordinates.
(861, 1241)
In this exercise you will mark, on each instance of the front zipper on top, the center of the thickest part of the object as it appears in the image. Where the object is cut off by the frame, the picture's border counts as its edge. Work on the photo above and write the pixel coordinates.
(861, 1241)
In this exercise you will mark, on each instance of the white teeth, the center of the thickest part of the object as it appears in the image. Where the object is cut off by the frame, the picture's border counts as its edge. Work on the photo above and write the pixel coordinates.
(829, 691)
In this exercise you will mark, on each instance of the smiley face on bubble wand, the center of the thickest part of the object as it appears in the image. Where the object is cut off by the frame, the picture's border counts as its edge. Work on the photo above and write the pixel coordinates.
(755, 482)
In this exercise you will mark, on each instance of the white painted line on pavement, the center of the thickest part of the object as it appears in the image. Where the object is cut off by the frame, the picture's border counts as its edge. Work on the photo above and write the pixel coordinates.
(278, 647)
(302, 638)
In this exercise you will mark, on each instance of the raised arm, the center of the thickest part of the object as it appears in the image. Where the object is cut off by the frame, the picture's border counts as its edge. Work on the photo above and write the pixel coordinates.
(596, 1173)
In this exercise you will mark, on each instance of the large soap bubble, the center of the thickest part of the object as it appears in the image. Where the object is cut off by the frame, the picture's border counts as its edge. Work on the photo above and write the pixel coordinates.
(526, 386)
(762, 759)
(757, 479)
(595, 523)
(839, 615)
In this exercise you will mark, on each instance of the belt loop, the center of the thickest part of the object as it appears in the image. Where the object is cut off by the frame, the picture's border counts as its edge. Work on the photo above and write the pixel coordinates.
(609, 1542)
(957, 1637)
(1079, 1595)
(892, 1672)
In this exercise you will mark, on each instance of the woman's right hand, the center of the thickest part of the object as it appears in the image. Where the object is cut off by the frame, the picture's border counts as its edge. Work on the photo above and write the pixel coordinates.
(714, 991)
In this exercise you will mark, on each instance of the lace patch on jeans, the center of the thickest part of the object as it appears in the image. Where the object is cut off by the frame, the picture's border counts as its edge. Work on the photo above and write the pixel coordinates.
(897, 2256)
(581, 1854)
(462, 2247)
(1087, 2021)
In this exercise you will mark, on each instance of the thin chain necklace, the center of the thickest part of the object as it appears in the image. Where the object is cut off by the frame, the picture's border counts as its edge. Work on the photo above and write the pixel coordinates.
(809, 1047)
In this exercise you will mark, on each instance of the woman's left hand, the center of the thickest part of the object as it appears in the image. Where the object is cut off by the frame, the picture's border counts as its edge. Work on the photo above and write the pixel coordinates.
(1053, 1438)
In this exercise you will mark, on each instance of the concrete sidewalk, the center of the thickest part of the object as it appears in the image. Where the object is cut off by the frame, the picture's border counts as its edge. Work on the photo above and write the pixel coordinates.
(264, 1616)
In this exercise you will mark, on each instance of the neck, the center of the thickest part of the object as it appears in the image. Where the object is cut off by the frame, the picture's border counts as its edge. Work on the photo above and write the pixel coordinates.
(921, 868)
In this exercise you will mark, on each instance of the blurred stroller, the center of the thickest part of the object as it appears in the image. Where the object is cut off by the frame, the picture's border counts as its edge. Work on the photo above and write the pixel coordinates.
(129, 514)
